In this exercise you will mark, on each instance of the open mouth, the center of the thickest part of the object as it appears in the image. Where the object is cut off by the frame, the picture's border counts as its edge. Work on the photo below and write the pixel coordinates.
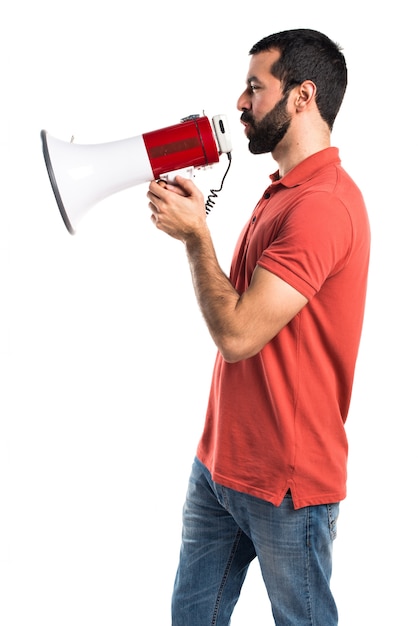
(246, 125)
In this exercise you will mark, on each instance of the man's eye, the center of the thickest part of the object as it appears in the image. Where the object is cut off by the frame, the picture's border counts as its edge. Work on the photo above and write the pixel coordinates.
(253, 87)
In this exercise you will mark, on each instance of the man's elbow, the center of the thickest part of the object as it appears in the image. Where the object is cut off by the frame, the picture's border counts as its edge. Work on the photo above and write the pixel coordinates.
(233, 351)
(230, 357)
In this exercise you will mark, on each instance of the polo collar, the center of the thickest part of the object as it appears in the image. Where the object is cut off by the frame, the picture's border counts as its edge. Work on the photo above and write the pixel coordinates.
(307, 168)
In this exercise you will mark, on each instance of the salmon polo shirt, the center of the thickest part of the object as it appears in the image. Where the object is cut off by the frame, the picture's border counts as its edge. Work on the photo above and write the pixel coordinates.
(276, 420)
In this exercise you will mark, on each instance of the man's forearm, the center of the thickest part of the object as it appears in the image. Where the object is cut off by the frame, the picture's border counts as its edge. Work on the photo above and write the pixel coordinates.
(214, 292)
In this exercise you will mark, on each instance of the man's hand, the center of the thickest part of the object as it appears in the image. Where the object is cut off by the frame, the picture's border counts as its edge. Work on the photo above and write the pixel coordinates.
(178, 210)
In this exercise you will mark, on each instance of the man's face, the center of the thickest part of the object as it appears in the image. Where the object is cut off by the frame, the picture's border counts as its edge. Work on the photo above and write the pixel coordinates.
(263, 105)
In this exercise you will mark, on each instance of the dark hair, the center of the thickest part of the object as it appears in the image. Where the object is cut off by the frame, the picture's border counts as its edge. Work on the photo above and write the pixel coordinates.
(309, 55)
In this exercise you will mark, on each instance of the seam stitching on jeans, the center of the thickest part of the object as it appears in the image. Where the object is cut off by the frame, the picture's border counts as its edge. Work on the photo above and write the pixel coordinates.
(225, 576)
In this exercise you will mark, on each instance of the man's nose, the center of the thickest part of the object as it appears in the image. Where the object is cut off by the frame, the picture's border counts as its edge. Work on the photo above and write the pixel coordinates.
(243, 102)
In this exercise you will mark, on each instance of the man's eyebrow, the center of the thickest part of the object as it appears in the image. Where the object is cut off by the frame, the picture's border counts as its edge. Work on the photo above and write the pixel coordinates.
(253, 79)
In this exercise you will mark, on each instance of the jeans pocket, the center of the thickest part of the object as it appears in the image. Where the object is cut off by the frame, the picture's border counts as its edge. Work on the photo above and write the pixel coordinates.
(333, 511)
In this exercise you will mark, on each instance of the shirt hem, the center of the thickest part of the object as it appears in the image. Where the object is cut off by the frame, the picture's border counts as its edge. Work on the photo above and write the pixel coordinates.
(277, 497)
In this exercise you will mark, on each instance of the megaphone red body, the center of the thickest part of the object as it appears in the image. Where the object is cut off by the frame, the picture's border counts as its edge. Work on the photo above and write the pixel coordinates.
(82, 175)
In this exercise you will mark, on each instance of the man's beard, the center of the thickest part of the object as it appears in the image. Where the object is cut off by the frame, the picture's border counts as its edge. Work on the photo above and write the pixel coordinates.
(264, 135)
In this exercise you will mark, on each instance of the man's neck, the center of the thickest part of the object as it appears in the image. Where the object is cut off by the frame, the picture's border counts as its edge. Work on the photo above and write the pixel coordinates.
(297, 147)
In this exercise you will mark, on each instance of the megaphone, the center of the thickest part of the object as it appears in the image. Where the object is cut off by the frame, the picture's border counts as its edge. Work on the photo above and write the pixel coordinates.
(83, 175)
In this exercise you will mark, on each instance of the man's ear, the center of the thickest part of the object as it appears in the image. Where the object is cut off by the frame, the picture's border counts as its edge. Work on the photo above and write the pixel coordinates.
(304, 94)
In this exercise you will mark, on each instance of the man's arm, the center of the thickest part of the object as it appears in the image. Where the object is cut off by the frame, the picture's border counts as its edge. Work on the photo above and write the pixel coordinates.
(240, 325)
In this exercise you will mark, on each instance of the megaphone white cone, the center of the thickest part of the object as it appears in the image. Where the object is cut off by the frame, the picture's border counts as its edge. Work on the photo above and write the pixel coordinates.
(83, 175)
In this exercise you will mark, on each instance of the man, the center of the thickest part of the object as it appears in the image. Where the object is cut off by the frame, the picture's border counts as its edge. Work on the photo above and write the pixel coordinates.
(270, 469)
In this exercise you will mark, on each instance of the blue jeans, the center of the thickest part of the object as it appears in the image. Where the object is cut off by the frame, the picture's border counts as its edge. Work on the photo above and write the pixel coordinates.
(224, 530)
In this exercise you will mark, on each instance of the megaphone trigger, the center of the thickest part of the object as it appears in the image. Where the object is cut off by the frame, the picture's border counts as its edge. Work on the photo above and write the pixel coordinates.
(170, 177)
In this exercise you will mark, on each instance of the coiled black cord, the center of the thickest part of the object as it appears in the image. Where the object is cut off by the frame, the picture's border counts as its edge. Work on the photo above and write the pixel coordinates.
(210, 202)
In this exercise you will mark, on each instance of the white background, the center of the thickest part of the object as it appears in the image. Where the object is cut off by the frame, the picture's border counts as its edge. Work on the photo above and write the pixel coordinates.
(105, 360)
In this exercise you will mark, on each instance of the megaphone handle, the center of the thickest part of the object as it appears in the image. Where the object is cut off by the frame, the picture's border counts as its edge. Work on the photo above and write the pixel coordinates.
(169, 177)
